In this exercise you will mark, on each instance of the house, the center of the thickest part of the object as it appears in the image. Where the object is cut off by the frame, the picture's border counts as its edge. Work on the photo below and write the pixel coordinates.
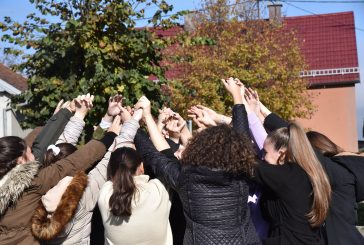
(328, 45)
(11, 84)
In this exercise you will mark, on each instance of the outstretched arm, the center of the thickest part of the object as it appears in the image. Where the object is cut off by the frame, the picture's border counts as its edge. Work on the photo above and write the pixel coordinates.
(164, 168)
(50, 133)
(155, 135)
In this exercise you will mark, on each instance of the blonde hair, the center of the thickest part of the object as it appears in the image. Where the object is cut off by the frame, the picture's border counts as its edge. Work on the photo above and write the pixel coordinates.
(300, 151)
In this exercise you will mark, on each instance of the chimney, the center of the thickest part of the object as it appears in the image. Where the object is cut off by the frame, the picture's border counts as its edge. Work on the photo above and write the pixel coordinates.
(275, 12)
(190, 21)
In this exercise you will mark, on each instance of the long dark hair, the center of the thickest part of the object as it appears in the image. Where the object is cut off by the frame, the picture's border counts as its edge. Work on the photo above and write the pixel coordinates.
(300, 151)
(11, 148)
(322, 143)
(122, 166)
(65, 150)
(221, 147)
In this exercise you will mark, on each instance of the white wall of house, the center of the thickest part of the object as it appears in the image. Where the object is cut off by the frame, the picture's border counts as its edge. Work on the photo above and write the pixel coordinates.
(9, 124)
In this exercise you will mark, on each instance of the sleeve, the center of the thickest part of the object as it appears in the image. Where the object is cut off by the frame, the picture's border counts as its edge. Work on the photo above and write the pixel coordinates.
(165, 169)
(169, 153)
(81, 159)
(240, 120)
(257, 130)
(127, 133)
(97, 176)
(72, 131)
(271, 176)
(273, 122)
(50, 133)
(29, 139)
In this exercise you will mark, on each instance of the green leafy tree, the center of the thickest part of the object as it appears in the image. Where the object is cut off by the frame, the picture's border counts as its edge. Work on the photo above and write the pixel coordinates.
(228, 41)
(90, 46)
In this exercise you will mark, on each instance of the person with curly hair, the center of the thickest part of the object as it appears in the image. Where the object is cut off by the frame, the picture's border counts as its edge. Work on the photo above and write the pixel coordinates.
(210, 178)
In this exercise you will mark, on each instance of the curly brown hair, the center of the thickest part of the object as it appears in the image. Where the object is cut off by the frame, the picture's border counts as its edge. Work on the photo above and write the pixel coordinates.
(221, 147)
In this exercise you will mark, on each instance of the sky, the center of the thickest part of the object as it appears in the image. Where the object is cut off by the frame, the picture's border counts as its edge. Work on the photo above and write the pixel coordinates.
(18, 10)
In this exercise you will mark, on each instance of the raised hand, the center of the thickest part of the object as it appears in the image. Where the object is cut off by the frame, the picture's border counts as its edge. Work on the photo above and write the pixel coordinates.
(235, 88)
(252, 100)
(175, 126)
(115, 104)
(138, 114)
(83, 105)
(144, 103)
(58, 107)
(125, 114)
(212, 114)
(201, 116)
(163, 117)
(116, 125)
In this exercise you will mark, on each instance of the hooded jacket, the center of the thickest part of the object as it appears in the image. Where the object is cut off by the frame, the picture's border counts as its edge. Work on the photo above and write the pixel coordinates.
(23, 186)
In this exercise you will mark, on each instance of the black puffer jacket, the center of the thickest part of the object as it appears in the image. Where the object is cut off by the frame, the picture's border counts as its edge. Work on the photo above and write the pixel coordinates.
(214, 202)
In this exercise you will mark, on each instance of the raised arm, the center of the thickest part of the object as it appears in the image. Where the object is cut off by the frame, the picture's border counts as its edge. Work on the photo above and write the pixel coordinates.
(164, 168)
(81, 159)
(257, 130)
(72, 131)
(155, 135)
(97, 176)
(240, 118)
(50, 133)
(29, 139)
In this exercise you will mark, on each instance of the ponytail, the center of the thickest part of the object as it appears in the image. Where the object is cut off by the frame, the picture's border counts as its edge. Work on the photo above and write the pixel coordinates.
(299, 150)
(121, 169)
(124, 188)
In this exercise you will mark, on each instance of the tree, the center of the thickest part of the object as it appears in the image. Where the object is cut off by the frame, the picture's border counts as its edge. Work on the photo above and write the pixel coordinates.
(228, 42)
(92, 46)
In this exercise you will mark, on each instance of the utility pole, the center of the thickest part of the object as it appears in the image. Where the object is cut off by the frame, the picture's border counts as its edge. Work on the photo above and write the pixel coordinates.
(258, 9)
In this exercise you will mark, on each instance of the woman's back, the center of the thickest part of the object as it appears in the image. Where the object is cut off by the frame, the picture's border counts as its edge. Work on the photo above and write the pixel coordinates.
(148, 223)
(215, 207)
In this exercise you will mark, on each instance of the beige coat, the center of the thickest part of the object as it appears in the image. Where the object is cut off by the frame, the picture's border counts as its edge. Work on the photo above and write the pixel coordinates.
(148, 224)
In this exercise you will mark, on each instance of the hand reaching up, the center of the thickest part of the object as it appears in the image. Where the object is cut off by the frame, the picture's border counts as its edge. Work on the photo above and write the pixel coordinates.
(125, 114)
(115, 104)
(252, 100)
(83, 105)
(201, 116)
(138, 114)
(235, 88)
(144, 103)
(116, 125)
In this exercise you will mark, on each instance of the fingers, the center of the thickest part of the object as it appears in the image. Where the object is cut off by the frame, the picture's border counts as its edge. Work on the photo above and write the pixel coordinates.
(60, 103)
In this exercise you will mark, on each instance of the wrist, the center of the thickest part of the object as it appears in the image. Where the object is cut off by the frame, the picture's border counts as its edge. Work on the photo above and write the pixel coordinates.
(148, 116)
(107, 118)
(80, 114)
(238, 99)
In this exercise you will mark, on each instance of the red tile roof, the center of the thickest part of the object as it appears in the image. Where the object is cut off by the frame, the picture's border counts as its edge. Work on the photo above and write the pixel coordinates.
(327, 41)
(14, 79)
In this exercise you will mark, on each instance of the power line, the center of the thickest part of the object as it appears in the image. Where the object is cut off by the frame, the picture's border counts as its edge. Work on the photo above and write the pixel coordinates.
(318, 15)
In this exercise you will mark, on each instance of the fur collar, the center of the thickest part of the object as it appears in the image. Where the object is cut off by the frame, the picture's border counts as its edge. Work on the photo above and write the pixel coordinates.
(48, 228)
(13, 184)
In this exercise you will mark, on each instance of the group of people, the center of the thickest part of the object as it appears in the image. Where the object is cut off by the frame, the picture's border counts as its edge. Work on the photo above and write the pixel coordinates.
(252, 178)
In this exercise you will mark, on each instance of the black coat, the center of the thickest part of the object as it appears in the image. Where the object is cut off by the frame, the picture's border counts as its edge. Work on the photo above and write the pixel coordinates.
(286, 200)
(347, 183)
(214, 202)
